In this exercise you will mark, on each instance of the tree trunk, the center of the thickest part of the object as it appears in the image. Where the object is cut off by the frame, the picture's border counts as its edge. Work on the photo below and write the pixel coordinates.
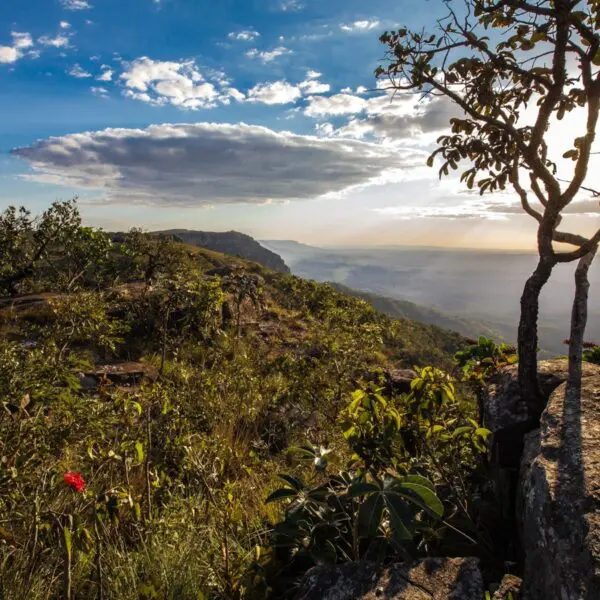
(579, 320)
(528, 337)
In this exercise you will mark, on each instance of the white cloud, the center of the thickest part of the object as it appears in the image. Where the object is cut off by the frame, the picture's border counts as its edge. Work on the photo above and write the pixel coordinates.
(313, 86)
(358, 26)
(246, 35)
(59, 41)
(268, 56)
(178, 83)
(275, 92)
(291, 5)
(106, 75)
(22, 41)
(8, 54)
(78, 71)
(338, 104)
(11, 54)
(65, 25)
(206, 163)
(311, 74)
(99, 91)
(76, 4)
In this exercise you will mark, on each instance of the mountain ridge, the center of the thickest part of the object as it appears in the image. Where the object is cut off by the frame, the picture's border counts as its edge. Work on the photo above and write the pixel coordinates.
(231, 242)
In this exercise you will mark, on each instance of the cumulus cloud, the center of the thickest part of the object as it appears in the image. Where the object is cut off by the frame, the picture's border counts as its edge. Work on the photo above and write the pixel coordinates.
(65, 25)
(290, 5)
(21, 42)
(76, 4)
(106, 75)
(312, 85)
(275, 92)
(247, 35)
(268, 56)
(99, 91)
(9, 54)
(360, 26)
(206, 163)
(78, 71)
(59, 41)
(338, 104)
(399, 117)
(178, 83)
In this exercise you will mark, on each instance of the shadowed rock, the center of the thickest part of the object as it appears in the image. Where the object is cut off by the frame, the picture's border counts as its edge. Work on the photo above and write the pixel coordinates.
(429, 579)
(560, 498)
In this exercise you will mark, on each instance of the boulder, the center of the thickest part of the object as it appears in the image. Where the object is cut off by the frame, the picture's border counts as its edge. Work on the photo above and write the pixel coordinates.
(559, 497)
(503, 405)
(428, 579)
(505, 412)
(509, 589)
(399, 380)
(123, 374)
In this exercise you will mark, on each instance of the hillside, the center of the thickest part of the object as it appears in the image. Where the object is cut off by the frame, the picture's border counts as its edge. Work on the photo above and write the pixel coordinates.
(403, 309)
(233, 243)
(152, 390)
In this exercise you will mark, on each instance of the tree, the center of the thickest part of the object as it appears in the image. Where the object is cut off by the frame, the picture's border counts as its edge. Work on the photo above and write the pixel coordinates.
(159, 254)
(26, 241)
(493, 60)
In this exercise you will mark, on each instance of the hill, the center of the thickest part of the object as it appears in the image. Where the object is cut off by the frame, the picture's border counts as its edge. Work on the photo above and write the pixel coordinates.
(233, 243)
(403, 309)
(151, 392)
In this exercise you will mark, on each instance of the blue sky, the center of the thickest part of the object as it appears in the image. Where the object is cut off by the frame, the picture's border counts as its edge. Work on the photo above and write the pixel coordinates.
(256, 115)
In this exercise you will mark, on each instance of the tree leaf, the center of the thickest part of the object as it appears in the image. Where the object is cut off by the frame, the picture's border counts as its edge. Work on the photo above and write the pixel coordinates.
(369, 515)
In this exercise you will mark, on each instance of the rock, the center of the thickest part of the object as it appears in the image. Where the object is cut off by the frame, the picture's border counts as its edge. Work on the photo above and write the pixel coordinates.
(560, 497)
(399, 380)
(509, 589)
(503, 405)
(428, 579)
(222, 271)
(126, 373)
(505, 412)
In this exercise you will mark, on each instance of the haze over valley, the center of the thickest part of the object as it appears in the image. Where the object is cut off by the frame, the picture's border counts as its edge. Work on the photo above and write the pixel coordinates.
(480, 287)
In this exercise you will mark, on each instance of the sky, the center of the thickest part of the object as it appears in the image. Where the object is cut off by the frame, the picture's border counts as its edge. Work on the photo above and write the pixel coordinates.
(262, 116)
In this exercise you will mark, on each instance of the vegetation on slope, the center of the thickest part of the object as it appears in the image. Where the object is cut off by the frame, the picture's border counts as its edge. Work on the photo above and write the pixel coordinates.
(233, 243)
(151, 392)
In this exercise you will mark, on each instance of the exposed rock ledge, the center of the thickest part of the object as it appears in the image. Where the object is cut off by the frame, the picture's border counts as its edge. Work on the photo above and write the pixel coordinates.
(428, 579)
(559, 498)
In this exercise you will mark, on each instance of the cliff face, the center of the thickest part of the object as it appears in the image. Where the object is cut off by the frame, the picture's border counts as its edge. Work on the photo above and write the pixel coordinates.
(233, 243)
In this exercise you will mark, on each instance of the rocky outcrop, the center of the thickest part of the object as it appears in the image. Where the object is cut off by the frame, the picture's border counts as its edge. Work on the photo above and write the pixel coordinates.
(560, 498)
(121, 374)
(233, 243)
(428, 579)
(547, 480)
(509, 589)
(398, 381)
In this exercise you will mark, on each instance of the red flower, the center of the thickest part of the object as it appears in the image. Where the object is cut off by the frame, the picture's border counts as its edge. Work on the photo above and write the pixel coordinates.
(74, 481)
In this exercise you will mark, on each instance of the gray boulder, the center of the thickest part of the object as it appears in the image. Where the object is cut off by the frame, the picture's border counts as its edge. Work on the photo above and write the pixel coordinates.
(559, 498)
(428, 579)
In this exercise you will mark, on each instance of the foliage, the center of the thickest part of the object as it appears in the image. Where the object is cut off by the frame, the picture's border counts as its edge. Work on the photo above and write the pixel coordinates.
(481, 359)
(127, 376)
(385, 503)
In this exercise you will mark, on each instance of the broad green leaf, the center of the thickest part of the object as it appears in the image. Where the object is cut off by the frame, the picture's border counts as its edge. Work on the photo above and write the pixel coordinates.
(401, 519)
(361, 488)
(291, 481)
(280, 494)
(369, 515)
(425, 497)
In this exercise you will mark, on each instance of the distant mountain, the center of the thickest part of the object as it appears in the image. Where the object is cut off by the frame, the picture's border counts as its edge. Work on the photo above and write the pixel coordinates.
(233, 243)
